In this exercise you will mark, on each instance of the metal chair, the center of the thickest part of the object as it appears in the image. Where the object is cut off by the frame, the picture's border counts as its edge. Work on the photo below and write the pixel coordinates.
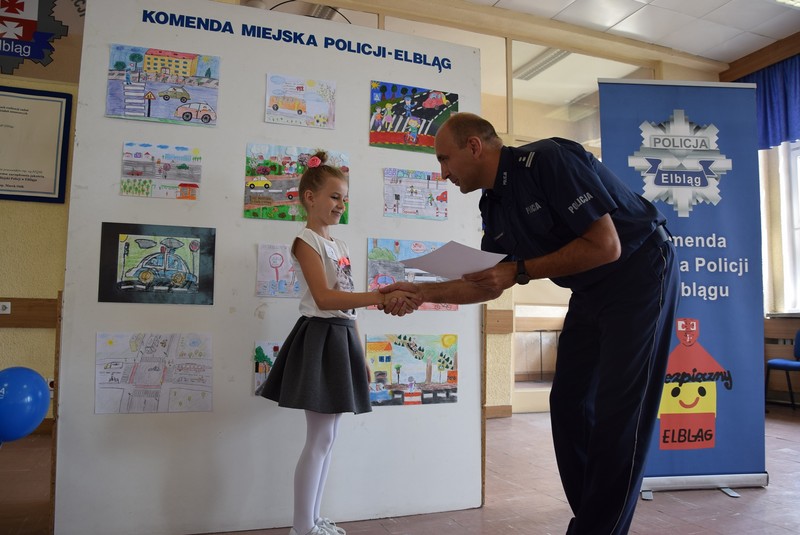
(787, 365)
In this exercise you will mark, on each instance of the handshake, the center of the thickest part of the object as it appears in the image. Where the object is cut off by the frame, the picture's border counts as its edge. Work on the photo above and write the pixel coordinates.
(401, 298)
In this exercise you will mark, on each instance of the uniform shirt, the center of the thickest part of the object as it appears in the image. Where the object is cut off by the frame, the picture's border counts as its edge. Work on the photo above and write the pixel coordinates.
(547, 193)
(336, 261)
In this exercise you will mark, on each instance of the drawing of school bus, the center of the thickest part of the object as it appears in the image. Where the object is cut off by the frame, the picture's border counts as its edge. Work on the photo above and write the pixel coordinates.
(288, 103)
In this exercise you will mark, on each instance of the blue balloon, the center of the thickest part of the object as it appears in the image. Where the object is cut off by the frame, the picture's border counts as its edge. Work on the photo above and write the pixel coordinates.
(24, 400)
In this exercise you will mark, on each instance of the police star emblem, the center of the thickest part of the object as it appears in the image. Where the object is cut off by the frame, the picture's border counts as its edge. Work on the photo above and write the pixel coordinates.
(27, 31)
(680, 163)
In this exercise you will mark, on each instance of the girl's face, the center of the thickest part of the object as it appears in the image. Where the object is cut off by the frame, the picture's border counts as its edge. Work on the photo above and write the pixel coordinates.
(327, 204)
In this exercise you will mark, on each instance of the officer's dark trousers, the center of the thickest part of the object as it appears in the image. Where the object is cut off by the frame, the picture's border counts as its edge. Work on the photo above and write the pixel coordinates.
(612, 357)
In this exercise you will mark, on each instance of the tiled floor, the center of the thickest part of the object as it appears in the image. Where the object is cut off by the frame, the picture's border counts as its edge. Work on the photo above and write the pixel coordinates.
(523, 492)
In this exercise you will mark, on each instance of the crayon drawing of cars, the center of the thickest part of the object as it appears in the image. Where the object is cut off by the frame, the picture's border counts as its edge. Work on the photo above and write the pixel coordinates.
(163, 268)
(176, 92)
(435, 99)
(291, 193)
(380, 280)
(259, 182)
(297, 105)
(196, 110)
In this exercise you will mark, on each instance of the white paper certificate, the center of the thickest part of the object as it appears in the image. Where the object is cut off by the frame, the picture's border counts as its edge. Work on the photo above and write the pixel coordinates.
(454, 260)
(32, 128)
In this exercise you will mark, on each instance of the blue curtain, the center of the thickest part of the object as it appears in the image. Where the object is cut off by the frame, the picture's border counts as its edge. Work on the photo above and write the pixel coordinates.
(777, 102)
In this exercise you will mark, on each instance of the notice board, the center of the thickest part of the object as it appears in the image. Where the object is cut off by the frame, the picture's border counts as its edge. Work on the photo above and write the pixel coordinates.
(190, 128)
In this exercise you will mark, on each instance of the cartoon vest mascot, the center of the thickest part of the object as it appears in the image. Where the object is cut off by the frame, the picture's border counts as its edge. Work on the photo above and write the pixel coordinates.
(688, 408)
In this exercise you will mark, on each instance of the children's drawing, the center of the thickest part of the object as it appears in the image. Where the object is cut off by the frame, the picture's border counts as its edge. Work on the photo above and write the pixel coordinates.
(163, 171)
(139, 372)
(413, 369)
(406, 117)
(414, 194)
(151, 84)
(264, 357)
(276, 276)
(384, 266)
(690, 400)
(272, 177)
(156, 264)
(300, 101)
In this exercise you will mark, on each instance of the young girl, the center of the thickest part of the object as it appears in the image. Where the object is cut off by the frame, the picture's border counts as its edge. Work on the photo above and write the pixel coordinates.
(321, 367)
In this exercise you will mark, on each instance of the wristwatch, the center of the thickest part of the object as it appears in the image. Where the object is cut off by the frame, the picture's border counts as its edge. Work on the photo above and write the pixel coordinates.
(522, 275)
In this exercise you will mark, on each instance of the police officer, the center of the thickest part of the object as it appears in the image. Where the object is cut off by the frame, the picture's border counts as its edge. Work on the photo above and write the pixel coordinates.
(558, 213)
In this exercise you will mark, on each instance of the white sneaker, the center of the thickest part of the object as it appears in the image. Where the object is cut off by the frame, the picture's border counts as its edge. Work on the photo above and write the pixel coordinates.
(330, 526)
(316, 530)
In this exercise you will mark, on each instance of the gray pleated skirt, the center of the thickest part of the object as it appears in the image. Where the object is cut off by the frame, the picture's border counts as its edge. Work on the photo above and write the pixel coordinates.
(320, 368)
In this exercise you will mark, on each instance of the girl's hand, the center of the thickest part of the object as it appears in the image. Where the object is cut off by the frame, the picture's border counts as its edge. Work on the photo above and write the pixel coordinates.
(400, 302)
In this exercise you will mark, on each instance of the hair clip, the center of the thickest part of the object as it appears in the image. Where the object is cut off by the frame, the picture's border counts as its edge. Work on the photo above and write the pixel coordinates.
(314, 161)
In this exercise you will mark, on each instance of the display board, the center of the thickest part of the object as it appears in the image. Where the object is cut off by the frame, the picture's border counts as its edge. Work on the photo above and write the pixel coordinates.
(194, 122)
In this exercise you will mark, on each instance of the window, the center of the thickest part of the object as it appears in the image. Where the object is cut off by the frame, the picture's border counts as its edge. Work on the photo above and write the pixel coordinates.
(556, 94)
(779, 169)
(791, 232)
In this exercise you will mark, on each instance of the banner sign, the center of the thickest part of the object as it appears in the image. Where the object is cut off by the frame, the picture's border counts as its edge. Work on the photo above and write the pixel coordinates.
(27, 31)
(692, 151)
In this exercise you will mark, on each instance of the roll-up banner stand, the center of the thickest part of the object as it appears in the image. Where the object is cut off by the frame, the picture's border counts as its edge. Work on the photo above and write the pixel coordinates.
(690, 148)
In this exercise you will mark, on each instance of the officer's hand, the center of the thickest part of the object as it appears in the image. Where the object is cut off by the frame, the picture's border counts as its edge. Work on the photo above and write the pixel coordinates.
(496, 279)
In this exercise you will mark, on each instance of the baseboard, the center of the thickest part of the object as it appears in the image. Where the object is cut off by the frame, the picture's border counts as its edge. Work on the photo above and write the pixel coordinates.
(541, 377)
(530, 399)
(498, 411)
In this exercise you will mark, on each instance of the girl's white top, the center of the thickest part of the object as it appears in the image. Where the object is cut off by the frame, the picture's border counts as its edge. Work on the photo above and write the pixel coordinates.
(336, 260)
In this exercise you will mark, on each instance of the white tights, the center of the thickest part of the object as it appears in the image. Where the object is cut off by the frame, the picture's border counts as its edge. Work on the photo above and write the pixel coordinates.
(312, 468)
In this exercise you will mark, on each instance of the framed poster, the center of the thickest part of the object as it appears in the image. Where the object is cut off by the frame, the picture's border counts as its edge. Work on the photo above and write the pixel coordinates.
(34, 134)
(156, 264)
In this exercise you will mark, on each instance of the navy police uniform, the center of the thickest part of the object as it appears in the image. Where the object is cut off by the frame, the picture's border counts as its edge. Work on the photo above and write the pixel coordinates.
(613, 350)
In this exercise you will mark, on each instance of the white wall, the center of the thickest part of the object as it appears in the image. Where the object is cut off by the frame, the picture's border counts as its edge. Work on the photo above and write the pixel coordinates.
(231, 469)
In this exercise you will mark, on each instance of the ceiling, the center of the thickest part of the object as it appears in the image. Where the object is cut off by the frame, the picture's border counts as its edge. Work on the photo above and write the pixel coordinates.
(720, 30)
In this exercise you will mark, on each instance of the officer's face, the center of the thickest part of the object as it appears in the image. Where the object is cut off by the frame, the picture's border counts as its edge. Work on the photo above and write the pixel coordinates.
(458, 164)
